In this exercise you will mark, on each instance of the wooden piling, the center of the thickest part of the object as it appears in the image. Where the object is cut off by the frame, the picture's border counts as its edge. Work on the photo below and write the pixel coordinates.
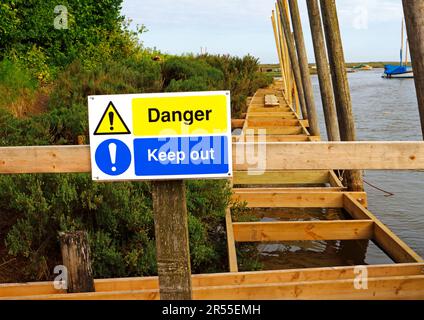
(323, 69)
(279, 51)
(414, 16)
(172, 245)
(76, 258)
(340, 84)
(304, 68)
(293, 57)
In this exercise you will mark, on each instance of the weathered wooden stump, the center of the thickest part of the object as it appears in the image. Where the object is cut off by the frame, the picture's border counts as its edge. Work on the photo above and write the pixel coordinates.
(76, 258)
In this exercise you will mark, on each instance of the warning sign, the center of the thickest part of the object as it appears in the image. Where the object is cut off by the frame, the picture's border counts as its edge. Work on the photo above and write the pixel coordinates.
(161, 136)
(111, 123)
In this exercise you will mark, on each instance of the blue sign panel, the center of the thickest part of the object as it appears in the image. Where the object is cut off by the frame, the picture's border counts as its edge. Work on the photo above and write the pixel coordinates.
(113, 157)
(181, 156)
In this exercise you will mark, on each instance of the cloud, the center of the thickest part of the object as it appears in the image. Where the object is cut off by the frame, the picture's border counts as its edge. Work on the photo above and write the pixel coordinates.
(378, 10)
(244, 26)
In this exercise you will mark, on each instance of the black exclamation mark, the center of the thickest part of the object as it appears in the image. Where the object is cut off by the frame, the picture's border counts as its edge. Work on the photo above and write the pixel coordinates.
(111, 115)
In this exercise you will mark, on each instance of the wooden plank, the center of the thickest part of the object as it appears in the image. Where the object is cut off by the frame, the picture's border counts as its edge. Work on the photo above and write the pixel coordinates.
(408, 287)
(381, 288)
(389, 242)
(51, 159)
(282, 177)
(335, 181)
(276, 131)
(288, 189)
(271, 101)
(257, 109)
(288, 138)
(295, 200)
(232, 254)
(281, 115)
(272, 123)
(222, 279)
(303, 231)
(337, 155)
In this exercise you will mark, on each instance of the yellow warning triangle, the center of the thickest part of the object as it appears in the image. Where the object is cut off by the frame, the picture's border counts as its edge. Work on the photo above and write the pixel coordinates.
(111, 123)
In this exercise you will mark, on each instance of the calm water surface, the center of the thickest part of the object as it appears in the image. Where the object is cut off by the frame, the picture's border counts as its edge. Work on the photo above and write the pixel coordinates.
(387, 110)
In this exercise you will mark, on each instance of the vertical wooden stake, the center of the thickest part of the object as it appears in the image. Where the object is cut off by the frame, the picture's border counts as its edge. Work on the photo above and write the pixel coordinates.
(279, 51)
(340, 85)
(293, 57)
(323, 69)
(304, 68)
(76, 258)
(172, 244)
(414, 16)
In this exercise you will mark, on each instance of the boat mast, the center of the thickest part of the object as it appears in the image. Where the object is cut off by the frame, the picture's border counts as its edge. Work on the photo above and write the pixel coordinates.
(406, 54)
(401, 46)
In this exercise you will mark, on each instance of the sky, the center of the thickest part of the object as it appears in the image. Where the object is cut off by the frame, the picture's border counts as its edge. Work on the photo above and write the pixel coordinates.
(370, 28)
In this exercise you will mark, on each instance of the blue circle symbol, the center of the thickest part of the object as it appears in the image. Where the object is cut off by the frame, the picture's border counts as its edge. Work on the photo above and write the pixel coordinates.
(113, 157)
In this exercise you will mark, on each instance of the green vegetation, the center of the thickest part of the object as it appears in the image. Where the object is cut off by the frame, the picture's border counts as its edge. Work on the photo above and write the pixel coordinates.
(45, 77)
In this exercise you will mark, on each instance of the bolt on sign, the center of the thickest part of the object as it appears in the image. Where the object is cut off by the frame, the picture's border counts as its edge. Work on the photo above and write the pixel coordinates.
(160, 136)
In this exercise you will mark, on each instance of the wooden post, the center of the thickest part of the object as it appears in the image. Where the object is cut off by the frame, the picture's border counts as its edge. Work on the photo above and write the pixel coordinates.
(414, 16)
(76, 258)
(293, 58)
(324, 77)
(340, 84)
(279, 51)
(286, 67)
(172, 245)
(304, 68)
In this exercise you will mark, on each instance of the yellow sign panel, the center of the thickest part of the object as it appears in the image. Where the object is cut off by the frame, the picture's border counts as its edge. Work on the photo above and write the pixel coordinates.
(111, 123)
(185, 115)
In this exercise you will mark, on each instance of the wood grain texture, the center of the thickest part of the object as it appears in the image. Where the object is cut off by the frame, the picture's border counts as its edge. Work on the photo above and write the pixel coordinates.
(278, 156)
(303, 231)
(16, 290)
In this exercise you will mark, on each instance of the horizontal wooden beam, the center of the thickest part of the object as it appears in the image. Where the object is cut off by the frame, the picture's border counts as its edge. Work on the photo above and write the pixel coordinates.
(282, 177)
(384, 288)
(223, 279)
(49, 159)
(389, 242)
(303, 231)
(288, 138)
(265, 199)
(295, 130)
(257, 108)
(334, 155)
(287, 189)
(272, 123)
(274, 115)
(277, 156)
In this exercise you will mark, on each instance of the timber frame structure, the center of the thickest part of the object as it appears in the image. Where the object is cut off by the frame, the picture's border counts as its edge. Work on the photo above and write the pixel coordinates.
(299, 174)
(298, 178)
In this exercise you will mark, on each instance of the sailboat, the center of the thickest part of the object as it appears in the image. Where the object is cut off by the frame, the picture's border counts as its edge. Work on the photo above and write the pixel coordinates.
(402, 71)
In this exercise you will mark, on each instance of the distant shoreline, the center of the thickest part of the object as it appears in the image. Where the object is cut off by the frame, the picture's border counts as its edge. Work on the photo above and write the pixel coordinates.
(378, 64)
(274, 69)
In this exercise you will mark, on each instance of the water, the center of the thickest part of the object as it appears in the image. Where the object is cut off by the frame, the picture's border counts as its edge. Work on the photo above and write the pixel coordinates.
(387, 110)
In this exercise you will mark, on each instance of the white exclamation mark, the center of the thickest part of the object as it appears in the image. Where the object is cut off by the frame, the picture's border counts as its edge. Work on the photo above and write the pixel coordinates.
(112, 152)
